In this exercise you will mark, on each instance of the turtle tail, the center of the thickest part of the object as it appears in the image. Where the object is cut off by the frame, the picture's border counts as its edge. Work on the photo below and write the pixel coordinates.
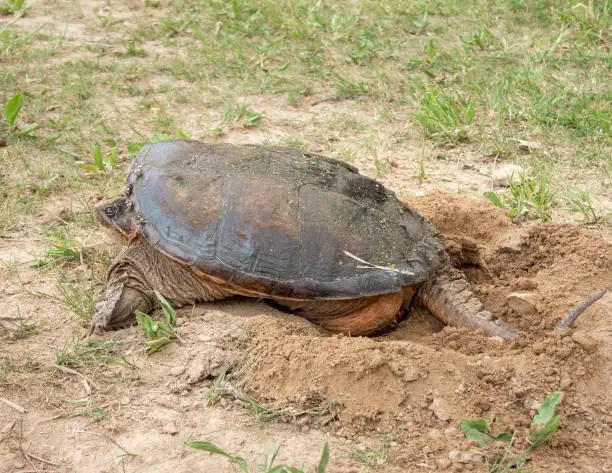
(449, 298)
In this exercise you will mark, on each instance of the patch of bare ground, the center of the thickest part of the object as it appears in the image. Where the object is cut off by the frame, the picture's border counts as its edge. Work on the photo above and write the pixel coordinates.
(411, 386)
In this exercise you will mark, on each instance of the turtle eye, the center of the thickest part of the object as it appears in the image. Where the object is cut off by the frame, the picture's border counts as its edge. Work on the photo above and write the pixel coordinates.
(109, 211)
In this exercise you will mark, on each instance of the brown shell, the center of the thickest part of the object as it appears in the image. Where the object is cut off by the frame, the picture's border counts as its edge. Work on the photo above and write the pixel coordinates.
(278, 222)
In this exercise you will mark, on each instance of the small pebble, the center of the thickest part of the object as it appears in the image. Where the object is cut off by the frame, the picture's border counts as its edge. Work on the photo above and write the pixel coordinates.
(506, 173)
(527, 145)
(170, 428)
(584, 340)
(176, 370)
(454, 455)
(523, 303)
(566, 381)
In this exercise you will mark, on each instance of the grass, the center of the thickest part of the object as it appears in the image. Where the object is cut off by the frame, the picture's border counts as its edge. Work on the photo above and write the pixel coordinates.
(17, 8)
(364, 81)
(81, 354)
(543, 425)
(62, 250)
(224, 386)
(19, 328)
(372, 458)
(530, 196)
(268, 465)
(444, 116)
(78, 297)
(580, 201)
(160, 334)
(465, 78)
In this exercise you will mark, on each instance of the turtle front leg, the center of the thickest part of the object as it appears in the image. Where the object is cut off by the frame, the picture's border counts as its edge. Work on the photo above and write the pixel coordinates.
(124, 296)
(449, 298)
(136, 273)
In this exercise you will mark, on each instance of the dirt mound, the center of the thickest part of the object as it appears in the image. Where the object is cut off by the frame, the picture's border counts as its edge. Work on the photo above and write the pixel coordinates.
(423, 377)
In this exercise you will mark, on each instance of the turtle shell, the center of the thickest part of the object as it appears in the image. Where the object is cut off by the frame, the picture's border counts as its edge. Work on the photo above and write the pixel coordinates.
(278, 222)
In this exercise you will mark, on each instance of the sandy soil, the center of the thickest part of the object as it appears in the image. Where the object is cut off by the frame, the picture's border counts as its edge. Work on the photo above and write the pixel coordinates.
(410, 387)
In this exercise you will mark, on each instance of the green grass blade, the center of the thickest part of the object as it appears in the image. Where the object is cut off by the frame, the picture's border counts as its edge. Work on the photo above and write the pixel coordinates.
(211, 448)
(97, 156)
(324, 459)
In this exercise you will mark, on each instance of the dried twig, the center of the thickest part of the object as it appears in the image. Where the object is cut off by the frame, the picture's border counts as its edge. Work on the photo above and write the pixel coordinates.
(84, 379)
(6, 430)
(40, 459)
(580, 308)
(125, 452)
(17, 407)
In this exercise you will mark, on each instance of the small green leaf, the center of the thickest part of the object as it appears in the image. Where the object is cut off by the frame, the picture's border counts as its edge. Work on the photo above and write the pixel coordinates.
(134, 148)
(547, 409)
(276, 469)
(539, 436)
(292, 469)
(86, 167)
(504, 437)
(324, 459)
(97, 157)
(157, 137)
(157, 344)
(182, 134)
(209, 447)
(169, 312)
(431, 49)
(146, 322)
(494, 199)
(26, 129)
(111, 160)
(12, 109)
(477, 429)
(480, 430)
(164, 331)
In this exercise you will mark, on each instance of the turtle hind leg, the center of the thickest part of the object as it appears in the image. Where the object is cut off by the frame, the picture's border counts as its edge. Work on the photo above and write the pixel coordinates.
(363, 316)
(449, 298)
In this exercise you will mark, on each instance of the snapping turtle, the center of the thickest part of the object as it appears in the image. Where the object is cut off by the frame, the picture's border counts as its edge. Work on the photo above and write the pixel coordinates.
(308, 233)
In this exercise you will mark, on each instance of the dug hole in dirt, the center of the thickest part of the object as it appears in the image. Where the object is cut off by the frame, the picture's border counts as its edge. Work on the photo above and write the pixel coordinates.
(409, 388)
(419, 381)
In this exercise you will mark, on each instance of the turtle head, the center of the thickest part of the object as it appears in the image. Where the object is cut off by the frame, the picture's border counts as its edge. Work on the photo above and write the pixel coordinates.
(116, 215)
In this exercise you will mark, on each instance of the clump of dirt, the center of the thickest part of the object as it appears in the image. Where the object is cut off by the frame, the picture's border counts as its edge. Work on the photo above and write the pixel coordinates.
(425, 377)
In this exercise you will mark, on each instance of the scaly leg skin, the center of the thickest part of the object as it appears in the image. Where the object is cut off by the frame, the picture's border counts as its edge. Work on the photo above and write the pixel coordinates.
(449, 298)
(124, 296)
(136, 273)
(356, 317)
